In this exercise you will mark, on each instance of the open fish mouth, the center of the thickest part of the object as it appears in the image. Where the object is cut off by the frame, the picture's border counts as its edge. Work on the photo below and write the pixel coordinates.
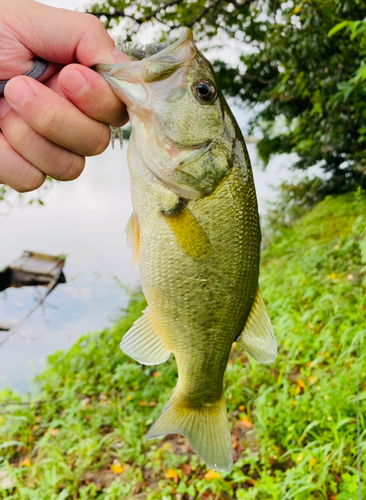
(157, 72)
(163, 63)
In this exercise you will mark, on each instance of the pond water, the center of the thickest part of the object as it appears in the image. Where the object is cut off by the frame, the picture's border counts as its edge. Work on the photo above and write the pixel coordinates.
(85, 220)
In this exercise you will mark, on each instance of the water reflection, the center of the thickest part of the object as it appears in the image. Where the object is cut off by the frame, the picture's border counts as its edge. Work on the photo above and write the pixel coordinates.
(84, 219)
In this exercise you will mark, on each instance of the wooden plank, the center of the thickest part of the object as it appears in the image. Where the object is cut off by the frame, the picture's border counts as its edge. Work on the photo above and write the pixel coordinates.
(38, 263)
(48, 290)
(32, 268)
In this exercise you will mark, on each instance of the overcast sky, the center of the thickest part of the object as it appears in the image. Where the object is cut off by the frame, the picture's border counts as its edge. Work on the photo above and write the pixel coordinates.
(230, 51)
(67, 4)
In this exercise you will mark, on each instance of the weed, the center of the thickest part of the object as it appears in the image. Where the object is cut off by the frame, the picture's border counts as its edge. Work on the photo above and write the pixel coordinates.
(294, 423)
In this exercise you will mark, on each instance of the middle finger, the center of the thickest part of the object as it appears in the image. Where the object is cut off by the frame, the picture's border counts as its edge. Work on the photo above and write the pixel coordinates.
(56, 118)
(49, 158)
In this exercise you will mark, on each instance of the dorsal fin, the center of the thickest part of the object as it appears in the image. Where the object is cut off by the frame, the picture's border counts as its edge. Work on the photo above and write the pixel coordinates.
(143, 343)
(133, 238)
(257, 337)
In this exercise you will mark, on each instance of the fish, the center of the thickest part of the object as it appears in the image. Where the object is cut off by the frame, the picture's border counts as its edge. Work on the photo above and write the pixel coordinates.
(196, 235)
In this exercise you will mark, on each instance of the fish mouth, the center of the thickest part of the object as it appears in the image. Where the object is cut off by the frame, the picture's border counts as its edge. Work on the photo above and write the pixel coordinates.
(155, 68)
(138, 82)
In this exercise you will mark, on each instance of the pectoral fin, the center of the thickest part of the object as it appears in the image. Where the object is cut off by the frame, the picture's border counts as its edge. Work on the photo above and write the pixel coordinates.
(143, 342)
(133, 238)
(257, 337)
(188, 232)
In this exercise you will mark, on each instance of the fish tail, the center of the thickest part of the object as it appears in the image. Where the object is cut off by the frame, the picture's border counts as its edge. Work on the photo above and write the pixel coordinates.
(206, 427)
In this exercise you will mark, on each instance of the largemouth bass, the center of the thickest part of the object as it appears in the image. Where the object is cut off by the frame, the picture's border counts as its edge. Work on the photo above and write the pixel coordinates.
(195, 233)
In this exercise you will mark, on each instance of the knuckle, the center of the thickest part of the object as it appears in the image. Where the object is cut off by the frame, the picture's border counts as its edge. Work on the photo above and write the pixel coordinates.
(100, 141)
(74, 165)
(33, 179)
(49, 123)
(92, 22)
(14, 128)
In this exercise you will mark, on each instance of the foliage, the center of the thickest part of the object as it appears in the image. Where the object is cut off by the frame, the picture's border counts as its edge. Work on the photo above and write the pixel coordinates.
(296, 77)
(294, 423)
(357, 30)
(294, 200)
(10, 198)
(355, 86)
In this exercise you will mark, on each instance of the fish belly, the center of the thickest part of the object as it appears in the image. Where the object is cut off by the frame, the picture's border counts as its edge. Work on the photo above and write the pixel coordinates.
(200, 305)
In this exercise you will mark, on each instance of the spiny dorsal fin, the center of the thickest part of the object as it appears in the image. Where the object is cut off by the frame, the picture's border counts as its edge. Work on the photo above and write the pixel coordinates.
(257, 337)
(143, 343)
(188, 232)
(133, 238)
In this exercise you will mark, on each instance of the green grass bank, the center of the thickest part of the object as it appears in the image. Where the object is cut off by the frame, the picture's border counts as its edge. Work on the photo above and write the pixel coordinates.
(294, 423)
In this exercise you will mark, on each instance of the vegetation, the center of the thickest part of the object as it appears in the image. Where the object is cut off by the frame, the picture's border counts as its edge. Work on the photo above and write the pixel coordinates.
(294, 423)
(306, 87)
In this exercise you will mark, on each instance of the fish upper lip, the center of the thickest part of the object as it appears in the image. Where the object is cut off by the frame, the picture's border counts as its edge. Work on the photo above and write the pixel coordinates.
(110, 70)
(117, 67)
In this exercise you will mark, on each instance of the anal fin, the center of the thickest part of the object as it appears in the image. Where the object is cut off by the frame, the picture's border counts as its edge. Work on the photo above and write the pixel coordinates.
(133, 238)
(257, 337)
(143, 343)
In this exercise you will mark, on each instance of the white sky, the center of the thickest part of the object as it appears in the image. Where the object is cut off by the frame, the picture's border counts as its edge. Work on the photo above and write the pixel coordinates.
(67, 4)
(231, 51)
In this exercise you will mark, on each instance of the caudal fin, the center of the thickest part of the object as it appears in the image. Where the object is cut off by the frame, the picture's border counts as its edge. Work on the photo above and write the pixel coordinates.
(205, 426)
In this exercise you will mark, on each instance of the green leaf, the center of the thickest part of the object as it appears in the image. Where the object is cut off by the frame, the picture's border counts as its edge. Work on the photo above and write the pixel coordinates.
(338, 27)
(191, 490)
(8, 444)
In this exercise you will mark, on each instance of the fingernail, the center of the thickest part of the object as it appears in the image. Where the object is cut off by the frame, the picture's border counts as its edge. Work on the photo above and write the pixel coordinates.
(16, 91)
(75, 82)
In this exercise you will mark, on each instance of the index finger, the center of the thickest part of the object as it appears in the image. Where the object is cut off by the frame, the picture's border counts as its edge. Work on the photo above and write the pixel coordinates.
(59, 35)
(91, 94)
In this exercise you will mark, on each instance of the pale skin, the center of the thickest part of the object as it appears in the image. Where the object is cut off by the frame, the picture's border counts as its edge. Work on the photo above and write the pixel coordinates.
(49, 126)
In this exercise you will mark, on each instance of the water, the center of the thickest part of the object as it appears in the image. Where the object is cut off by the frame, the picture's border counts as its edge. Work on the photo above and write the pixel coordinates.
(84, 219)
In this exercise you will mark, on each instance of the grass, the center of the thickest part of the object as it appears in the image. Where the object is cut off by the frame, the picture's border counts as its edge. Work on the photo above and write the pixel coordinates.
(294, 423)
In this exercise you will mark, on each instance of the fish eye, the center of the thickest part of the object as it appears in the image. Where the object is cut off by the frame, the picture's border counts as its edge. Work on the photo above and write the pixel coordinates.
(205, 90)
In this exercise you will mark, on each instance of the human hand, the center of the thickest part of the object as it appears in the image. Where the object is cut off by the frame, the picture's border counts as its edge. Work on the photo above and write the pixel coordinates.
(49, 126)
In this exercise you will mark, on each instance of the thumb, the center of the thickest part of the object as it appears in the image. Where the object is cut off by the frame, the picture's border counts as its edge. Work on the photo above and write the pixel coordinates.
(61, 36)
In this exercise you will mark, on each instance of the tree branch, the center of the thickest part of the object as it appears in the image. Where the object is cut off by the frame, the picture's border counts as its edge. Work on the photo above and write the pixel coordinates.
(154, 13)
(204, 12)
(116, 13)
(158, 10)
(259, 79)
(138, 20)
(241, 4)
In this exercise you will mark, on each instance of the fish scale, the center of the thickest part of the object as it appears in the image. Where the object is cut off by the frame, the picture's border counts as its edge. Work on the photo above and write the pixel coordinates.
(195, 231)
